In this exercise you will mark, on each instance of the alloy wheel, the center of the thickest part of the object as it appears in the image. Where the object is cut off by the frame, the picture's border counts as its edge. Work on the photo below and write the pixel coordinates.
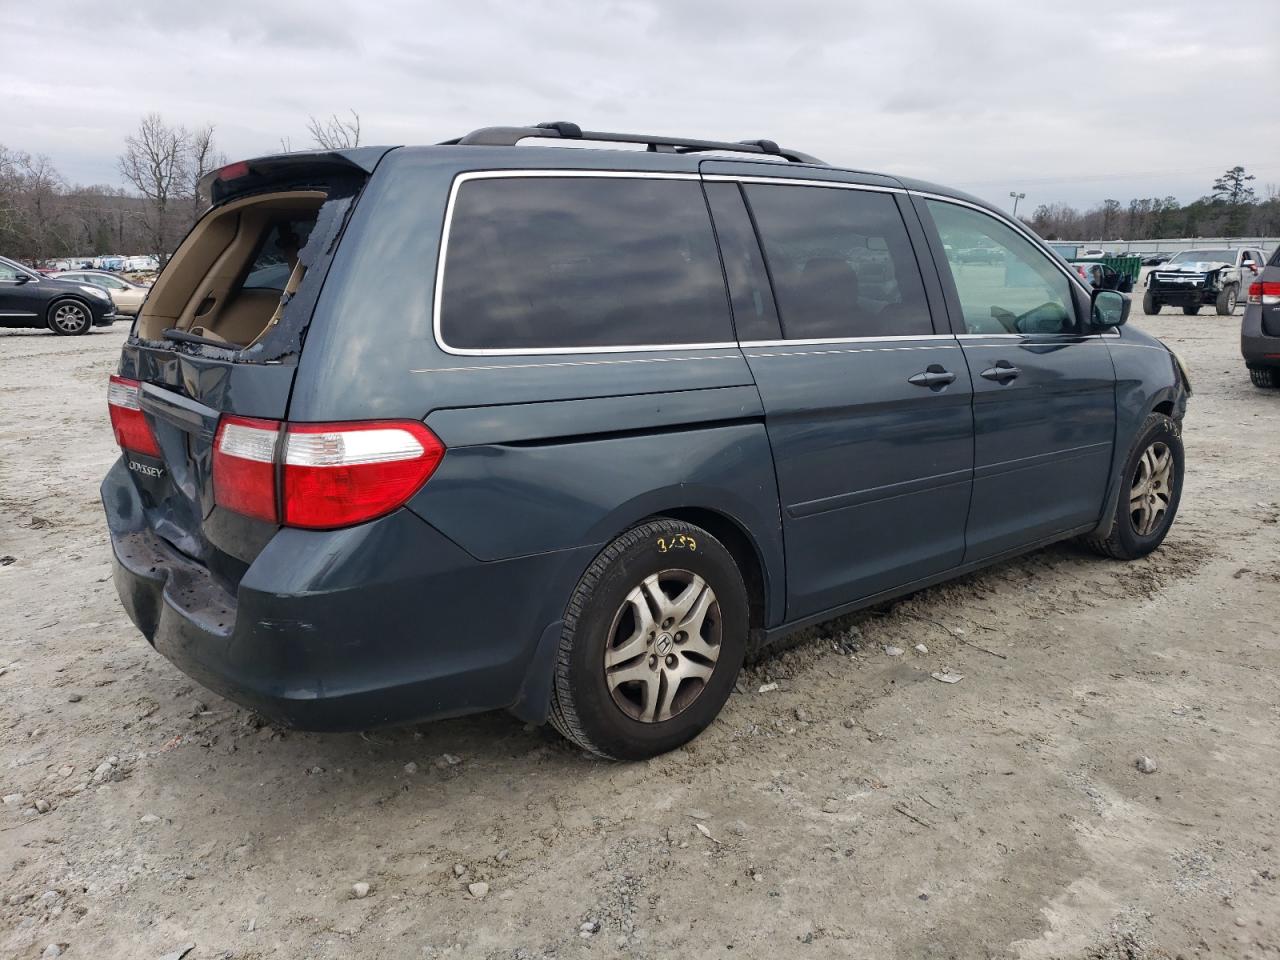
(70, 318)
(663, 645)
(1152, 489)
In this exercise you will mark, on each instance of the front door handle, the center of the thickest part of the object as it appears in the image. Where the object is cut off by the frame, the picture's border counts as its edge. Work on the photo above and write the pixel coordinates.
(934, 376)
(1002, 372)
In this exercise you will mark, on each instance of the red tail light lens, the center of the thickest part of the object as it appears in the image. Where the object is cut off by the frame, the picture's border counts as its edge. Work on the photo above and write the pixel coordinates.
(234, 171)
(1265, 291)
(337, 474)
(127, 421)
(244, 466)
(331, 474)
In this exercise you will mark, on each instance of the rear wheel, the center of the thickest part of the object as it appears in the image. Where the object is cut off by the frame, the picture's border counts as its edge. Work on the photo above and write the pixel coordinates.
(69, 318)
(1150, 305)
(654, 637)
(1226, 304)
(1264, 376)
(1191, 309)
(1149, 499)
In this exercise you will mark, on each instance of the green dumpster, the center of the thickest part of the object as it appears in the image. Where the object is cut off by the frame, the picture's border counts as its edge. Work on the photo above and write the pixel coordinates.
(1125, 266)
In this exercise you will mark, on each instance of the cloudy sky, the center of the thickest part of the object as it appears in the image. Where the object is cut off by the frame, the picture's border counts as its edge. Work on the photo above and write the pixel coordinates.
(1065, 101)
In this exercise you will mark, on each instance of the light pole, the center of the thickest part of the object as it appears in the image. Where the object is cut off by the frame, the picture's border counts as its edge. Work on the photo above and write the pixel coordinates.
(1016, 197)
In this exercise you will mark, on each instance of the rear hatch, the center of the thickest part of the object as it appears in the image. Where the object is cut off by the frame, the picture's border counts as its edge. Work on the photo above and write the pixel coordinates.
(221, 333)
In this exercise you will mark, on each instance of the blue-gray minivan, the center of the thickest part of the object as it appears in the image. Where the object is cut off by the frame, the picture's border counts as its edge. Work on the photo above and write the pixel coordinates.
(417, 432)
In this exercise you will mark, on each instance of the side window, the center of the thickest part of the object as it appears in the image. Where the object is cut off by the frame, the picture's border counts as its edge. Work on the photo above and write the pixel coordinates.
(1005, 284)
(754, 315)
(7, 272)
(278, 254)
(565, 262)
(841, 262)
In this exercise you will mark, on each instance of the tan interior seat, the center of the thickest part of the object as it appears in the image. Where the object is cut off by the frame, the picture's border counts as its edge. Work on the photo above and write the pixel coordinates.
(199, 291)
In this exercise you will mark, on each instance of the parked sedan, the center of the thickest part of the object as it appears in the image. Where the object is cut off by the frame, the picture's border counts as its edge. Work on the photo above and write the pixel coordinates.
(126, 295)
(67, 308)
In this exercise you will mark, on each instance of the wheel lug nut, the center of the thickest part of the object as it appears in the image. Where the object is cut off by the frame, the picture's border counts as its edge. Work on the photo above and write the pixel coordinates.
(671, 660)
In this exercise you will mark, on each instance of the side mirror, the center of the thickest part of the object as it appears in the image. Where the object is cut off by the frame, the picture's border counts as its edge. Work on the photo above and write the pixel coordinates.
(22, 278)
(1108, 308)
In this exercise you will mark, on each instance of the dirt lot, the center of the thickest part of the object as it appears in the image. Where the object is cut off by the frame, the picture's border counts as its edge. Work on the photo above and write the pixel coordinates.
(860, 809)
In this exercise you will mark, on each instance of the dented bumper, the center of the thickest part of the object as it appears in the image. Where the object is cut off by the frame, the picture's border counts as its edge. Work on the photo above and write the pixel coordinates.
(387, 622)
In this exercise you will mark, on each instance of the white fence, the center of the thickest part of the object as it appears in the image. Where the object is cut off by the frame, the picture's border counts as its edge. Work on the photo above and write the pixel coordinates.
(1263, 244)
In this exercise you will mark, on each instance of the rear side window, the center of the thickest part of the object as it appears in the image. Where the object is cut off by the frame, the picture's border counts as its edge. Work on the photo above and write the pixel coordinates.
(841, 262)
(278, 254)
(545, 263)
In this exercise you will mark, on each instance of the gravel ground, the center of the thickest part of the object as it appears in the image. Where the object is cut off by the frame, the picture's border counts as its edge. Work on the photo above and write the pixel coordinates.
(857, 809)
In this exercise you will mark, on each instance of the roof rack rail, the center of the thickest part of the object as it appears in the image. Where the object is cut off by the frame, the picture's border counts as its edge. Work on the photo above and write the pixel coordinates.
(563, 130)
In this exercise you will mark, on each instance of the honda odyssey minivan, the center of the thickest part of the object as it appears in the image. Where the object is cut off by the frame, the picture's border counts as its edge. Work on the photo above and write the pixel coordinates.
(416, 432)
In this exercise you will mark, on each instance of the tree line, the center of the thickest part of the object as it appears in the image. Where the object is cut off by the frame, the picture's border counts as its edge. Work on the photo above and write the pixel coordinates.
(43, 216)
(1232, 208)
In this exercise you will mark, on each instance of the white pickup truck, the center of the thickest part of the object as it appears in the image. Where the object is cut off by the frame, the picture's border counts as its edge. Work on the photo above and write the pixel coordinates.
(1194, 278)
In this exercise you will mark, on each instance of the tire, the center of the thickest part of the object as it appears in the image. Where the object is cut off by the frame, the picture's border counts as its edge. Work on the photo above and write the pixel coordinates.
(1191, 310)
(1150, 305)
(1150, 493)
(611, 702)
(1265, 377)
(1226, 304)
(69, 318)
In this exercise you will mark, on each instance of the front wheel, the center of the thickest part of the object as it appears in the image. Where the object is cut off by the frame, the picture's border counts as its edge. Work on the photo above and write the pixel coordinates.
(654, 637)
(1226, 304)
(69, 318)
(1150, 305)
(1149, 499)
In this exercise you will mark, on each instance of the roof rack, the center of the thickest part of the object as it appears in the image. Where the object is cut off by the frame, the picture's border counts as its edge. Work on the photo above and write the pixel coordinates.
(563, 130)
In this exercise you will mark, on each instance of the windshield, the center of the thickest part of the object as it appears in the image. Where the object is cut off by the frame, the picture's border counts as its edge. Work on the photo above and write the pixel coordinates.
(1204, 256)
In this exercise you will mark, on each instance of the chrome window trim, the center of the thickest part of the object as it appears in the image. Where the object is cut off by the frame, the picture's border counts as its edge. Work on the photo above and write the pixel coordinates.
(521, 173)
(438, 294)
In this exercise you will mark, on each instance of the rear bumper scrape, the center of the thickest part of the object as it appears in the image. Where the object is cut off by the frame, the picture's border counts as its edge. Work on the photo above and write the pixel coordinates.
(387, 622)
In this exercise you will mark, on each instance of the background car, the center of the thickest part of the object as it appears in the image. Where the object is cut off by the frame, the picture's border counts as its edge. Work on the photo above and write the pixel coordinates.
(1103, 276)
(1260, 328)
(28, 299)
(1218, 277)
(126, 295)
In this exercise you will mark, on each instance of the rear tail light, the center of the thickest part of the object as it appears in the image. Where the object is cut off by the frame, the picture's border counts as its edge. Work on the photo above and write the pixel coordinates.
(234, 171)
(330, 474)
(1265, 291)
(244, 466)
(130, 426)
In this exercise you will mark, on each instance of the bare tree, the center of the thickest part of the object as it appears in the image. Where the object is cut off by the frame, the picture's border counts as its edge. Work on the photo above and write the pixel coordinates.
(156, 162)
(202, 157)
(335, 133)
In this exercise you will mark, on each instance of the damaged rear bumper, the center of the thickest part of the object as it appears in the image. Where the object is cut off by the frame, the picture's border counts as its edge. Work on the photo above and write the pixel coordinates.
(386, 622)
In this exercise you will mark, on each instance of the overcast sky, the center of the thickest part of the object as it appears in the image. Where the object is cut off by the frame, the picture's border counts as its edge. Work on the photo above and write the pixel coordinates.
(1065, 101)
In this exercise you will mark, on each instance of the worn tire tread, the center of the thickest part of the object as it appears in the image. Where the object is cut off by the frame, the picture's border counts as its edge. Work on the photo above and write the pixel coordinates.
(563, 714)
